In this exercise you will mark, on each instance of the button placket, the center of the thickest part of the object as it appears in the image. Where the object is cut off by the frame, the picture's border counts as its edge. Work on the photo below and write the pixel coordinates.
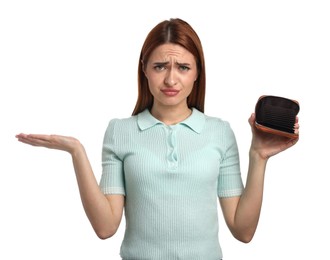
(172, 155)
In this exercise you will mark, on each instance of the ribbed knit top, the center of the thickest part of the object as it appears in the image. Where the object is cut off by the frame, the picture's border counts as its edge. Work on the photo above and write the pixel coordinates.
(172, 177)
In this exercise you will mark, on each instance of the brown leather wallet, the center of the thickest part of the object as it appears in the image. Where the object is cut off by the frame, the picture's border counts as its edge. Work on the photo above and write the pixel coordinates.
(276, 115)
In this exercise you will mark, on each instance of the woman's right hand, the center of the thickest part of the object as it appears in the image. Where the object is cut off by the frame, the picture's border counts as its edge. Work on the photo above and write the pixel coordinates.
(64, 143)
(104, 212)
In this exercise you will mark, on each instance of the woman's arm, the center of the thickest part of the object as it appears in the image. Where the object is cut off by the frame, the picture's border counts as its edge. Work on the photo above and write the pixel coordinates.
(242, 213)
(103, 212)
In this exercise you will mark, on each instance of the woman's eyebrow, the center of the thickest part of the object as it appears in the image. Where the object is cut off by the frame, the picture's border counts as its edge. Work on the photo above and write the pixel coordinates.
(182, 63)
(161, 63)
(167, 62)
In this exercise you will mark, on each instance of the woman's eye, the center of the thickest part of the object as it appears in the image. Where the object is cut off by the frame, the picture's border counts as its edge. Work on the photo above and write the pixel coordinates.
(159, 67)
(184, 68)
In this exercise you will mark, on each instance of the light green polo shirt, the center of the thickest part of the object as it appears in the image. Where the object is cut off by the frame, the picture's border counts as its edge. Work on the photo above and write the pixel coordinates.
(172, 177)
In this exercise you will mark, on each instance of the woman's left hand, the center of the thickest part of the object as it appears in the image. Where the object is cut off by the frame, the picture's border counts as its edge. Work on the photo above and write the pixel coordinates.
(58, 142)
(266, 144)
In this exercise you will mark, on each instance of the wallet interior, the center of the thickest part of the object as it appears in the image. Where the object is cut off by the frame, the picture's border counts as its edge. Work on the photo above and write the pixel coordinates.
(278, 113)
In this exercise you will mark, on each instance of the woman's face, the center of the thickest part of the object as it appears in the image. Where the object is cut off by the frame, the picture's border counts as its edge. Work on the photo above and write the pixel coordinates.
(171, 72)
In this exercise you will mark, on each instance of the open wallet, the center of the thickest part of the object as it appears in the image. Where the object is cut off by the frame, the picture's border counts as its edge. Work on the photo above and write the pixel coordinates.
(276, 115)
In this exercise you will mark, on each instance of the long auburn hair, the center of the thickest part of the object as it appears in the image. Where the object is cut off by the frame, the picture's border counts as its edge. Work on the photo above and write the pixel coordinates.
(179, 32)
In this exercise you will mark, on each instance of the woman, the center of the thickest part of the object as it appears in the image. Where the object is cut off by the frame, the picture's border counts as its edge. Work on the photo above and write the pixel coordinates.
(169, 163)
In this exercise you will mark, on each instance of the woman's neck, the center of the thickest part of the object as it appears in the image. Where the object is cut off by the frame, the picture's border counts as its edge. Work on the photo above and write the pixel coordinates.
(171, 115)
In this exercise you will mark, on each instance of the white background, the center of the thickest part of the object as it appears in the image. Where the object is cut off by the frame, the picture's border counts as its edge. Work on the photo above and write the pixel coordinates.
(68, 67)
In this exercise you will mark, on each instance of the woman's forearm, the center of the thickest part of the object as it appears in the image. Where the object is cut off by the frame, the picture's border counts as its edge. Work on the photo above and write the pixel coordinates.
(102, 217)
(249, 206)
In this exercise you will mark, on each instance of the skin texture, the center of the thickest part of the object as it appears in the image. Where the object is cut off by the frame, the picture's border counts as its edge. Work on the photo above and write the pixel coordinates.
(171, 72)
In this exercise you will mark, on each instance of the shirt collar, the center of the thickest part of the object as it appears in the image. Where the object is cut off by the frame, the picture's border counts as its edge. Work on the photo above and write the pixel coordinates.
(195, 121)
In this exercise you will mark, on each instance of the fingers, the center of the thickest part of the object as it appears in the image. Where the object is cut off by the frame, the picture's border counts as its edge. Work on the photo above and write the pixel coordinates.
(291, 142)
(34, 139)
(252, 119)
(31, 136)
(64, 143)
(296, 126)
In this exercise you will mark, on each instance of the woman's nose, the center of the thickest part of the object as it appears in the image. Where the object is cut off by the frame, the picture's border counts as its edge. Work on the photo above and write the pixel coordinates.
(170, 79)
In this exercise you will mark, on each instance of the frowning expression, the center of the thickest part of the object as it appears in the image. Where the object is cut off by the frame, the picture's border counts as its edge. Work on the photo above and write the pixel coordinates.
(171, 72)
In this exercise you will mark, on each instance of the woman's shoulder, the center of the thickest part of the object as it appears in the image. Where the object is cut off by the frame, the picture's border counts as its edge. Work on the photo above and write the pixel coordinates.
(122, 121)
(220, 128)
(121, 124)
(216, 121)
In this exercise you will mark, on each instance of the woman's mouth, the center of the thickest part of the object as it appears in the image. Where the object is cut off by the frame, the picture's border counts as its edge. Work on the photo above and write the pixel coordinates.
(170, 92)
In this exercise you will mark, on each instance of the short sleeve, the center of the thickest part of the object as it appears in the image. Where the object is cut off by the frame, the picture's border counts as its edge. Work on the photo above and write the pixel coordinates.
(229, 182)
(112, 179)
